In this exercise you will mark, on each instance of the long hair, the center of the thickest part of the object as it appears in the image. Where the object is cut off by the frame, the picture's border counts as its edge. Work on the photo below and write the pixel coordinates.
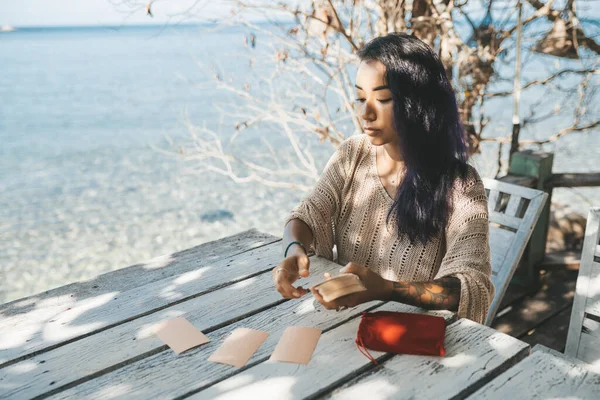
(431, 135)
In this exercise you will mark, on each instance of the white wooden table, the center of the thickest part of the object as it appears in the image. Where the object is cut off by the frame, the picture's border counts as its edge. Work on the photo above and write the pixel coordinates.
(94, 339)
(546, 374)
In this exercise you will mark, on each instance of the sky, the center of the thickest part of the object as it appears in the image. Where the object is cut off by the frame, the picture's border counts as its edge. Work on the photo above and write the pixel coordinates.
(21, 13)
(101, 12)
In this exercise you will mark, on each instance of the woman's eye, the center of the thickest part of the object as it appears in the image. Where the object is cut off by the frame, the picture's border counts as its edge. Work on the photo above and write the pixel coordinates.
(381, 101)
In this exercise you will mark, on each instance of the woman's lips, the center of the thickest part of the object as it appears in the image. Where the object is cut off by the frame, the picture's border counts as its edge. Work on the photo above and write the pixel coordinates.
(371, 131)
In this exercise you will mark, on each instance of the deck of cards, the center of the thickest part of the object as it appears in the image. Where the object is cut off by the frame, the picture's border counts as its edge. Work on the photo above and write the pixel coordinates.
(338, 286)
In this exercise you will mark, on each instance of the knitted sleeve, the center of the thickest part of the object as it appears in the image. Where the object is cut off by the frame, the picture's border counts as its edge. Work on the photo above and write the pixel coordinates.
(320, 208)
(467, 248)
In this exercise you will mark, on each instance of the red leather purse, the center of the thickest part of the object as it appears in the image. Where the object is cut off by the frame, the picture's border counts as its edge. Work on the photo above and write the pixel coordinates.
(401, 333)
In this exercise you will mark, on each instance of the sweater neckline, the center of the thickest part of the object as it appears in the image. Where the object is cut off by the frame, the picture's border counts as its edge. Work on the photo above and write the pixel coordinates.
(375, 173)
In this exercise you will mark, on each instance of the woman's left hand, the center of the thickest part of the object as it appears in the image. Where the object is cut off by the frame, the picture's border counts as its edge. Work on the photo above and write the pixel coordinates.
(377, 289)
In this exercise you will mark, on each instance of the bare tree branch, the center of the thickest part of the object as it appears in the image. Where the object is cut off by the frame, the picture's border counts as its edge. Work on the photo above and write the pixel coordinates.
(553, 15)
(545, 81)
(315, 56)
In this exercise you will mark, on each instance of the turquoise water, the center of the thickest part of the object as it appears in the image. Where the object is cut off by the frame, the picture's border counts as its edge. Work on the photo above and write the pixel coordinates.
(83, 189)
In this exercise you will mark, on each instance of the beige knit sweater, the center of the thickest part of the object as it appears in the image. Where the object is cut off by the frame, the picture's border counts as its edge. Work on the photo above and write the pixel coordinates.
(348, 209)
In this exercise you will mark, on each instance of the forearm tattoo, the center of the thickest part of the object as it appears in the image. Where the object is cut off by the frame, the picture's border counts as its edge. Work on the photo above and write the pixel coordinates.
(441, 294)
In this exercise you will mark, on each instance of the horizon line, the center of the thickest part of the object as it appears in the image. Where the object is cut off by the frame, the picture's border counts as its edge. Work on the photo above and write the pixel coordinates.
(132, 25)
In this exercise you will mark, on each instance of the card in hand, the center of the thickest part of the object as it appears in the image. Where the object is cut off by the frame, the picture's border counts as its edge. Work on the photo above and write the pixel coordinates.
(339, 286)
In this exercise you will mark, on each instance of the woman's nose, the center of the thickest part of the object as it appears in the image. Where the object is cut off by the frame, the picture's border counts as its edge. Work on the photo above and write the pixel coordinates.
(367, 113)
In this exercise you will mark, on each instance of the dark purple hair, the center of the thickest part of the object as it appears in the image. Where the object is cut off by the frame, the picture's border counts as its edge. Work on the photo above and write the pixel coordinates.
(431, 135)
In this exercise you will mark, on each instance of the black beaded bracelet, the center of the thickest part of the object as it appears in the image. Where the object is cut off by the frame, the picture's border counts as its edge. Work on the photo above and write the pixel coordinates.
(289, 245)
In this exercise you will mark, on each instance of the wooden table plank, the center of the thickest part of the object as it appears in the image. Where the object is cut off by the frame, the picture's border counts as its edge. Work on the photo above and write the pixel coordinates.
(129, 342)
(112, 307)
(44, 306)
(336, 360)
(545, 374)
(475, 355)
(127, 278)
(168, 375)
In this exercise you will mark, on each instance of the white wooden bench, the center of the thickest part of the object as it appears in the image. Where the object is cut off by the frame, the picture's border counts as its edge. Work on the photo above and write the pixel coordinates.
(583, 340)
(513, 213)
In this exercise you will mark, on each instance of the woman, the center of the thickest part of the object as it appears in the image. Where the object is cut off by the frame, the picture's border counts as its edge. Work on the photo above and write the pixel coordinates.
(405, 211)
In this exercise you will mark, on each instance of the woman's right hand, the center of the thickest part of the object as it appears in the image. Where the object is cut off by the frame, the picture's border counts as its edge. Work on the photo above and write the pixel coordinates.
(288, 271)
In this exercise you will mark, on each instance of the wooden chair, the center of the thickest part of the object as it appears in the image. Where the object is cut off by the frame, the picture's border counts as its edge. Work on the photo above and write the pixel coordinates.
(583, 340)
(513, 213)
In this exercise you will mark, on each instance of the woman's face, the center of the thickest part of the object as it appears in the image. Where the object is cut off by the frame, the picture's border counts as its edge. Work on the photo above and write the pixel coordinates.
(375, 104)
